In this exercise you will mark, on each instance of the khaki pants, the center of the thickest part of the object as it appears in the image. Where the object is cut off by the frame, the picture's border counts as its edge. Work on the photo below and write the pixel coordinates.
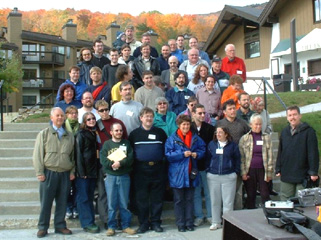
(289, 190)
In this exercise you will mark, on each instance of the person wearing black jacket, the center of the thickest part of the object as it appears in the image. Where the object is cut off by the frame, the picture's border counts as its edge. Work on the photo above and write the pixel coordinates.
(87, 165)
(298, 155)
(99, 59)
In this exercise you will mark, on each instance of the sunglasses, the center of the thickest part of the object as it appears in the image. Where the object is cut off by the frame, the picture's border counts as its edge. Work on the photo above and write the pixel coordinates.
(90, 119)
(103, 110)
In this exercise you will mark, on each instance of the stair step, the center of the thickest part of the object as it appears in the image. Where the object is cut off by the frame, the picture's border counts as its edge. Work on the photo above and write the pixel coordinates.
(19, 195)
(16, 162)
(31, 208)
(19, 135)
(17, 143)
(17, 172)
(24, 126)
(18, 183)
(17, 152)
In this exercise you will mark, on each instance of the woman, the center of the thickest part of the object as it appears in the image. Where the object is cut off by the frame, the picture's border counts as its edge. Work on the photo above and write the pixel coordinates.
(223, 165)
(199, 79)
(87, 165)
(123, 74)
(256, 161)
(183, 149)
(67, 97)
(164, 119)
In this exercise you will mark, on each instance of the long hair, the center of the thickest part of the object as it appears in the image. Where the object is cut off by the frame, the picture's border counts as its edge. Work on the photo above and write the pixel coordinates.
(83, 125)
(226, 131)
(197, 74)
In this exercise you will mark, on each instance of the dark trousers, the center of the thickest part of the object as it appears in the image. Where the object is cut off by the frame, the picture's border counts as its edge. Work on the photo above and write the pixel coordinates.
(149, 184)
(102, 204)
(55, 187)
(256, 178)
(184, 206)
(71, 203)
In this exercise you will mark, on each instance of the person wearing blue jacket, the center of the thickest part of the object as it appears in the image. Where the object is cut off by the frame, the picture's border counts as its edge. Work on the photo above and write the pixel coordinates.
(183, 149)
(223, 165)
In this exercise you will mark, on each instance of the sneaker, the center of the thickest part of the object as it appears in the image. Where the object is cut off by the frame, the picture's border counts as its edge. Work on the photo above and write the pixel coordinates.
(92, 229)
(129, 231)
(68, 215)
(198, 222)
(75, 214)
(110, 232)
(215, 226)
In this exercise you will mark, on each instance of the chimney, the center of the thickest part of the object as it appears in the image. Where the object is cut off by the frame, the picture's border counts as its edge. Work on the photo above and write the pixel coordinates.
(14, 27)
(112, 30)
(69, 31)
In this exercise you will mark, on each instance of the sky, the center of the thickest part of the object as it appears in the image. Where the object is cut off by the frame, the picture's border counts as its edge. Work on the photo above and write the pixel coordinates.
(128, 6)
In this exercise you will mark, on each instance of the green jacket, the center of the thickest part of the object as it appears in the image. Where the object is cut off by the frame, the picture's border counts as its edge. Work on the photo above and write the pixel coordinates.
(52, 153)
(246, 150)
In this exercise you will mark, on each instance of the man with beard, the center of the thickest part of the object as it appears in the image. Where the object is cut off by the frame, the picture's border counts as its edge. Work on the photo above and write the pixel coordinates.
(86, 63)
(87, 101)
(168, 75)
(244, 112)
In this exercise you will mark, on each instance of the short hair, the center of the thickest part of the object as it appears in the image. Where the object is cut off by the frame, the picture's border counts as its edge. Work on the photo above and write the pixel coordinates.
(129, 27)
(95, 69)
(114, 124)
(146, 110)
(55, 109)
(82, 95)
(124, 46)
(146, 34)
(160, 99)
(84, 117)
(196, 107)
(183, 118)
(113, 50)
(147, 72)
(97, 41)
(63, 88)
(179, 72)
(74, 68)
(121, 71)
(180, 35)
(255, 116)
(193, 49)
(169, 40)
(210, 76)
(291, 108)
(124, 84)
(101, 103)
(192, 99)
(71, 108)
(165, 45)
(226, 131)
(194, 38)
(83, 49)
(158, 80)
(229, 45)
(144, 45)
(235, 79)
(243, 93)
(228, 103)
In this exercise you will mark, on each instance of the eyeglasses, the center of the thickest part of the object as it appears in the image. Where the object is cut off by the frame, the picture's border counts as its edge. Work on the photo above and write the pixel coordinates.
(86, 54)
(90, 119)
(162, 103)
(103, 110)
(201, 113)
(118, 130)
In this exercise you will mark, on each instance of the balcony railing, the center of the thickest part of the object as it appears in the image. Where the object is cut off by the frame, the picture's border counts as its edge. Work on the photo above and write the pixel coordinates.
(43, 58)
(43, 83)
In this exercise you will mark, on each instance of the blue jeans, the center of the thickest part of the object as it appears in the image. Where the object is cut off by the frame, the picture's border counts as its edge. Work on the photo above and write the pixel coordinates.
(85, 200)
(198, 203)
(117, 188)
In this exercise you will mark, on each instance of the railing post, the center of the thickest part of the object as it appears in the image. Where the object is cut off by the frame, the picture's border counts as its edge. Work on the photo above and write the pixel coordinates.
(1, 104)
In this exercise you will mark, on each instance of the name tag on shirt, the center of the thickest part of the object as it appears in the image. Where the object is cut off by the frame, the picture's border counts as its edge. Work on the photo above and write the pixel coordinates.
(259, 142)
(187, 97)
(152, 136)
(219, 151)
(239, 72)
(129, 113)
(123, 148)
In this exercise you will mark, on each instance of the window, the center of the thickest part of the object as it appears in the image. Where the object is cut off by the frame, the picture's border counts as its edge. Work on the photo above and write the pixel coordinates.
(42, 51)
(252, 41)
(29, 74)
(58, 49)
(288, 68)
(314, 67)
(29, 100)
(29, 49)
(68, 52)
(317, 10)
(59, 74)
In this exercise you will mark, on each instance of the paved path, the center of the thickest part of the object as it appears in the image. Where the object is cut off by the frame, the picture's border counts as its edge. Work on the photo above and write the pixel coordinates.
(305, 109)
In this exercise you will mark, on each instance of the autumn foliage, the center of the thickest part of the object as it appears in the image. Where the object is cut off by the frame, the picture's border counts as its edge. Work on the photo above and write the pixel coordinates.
(90, 25)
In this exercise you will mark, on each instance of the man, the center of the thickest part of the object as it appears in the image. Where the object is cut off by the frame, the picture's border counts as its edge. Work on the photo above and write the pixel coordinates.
(127, 110)
(180, 43)
(109, 70)
(237, 128)
(99, 59)
(148, 143)
(123, 74)
(80, 87)
(298, 154)
(206, 132)
(168, 75)
(244, 112)
(233, 91)
(85, 64)
(87, 101)
(148, 93)
(232, 64)
(178, 96)
(117, 181)
(211, 99)
(174, 51)
(125, 58)
(191, 64)
(193, 43)
(99, 89)
(163, 58)
(143, 63)
(129, 33)
(53, 160)
(221, 78)
(146, 39)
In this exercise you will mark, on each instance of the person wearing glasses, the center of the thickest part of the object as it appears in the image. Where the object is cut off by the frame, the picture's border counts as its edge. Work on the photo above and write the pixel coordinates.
(85, 64)
(87, 101)
(87, 164)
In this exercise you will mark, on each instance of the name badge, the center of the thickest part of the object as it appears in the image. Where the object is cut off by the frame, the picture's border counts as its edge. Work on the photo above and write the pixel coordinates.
(239, 72)
(152, 136)
(123, 148)
(187, 97)
(259, 143)
(129, 113)
(219, 151)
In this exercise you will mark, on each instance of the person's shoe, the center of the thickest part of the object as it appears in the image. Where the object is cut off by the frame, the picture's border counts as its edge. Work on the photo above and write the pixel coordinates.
(215, 226)
(157, 228)
(68, 215)
(129, 231)
(258, 193)
(274, 193)
(75, 214)
(142, 229)
(190, 228)
(181, 229)
(92, 229)
(198, 222)
(64, 231)
(42, 233)
(110, 232)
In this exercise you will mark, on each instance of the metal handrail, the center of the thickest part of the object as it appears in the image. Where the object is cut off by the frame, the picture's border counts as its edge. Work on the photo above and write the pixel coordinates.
(1, 103)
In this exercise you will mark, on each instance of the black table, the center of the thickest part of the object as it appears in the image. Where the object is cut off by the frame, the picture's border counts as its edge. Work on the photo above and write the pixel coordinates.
(252, 224)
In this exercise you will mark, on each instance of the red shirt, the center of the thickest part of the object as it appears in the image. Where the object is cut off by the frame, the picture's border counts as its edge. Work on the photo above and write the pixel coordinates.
(236, 66)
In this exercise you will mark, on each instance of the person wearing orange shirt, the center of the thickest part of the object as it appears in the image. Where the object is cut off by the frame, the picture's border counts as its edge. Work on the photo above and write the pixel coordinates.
(233, 91)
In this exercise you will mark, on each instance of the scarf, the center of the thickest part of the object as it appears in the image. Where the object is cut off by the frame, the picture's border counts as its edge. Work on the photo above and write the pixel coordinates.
(187, 139)
(98, 90)
(72, 126)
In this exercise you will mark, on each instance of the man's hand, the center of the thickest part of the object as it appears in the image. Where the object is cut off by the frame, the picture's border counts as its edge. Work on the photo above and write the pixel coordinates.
(245, 177)
(115, 165)
(314, 178)
(41, 178)
(268, 179)
(187, 153)
(72, 177)
(278, 174)
(194, 154)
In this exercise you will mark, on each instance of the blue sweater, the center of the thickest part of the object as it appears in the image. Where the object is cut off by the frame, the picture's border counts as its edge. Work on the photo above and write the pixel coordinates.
(80, 87)
(178, 99)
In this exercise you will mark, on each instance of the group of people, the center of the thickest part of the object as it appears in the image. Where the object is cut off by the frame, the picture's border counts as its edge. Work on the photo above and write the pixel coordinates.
(134, 125)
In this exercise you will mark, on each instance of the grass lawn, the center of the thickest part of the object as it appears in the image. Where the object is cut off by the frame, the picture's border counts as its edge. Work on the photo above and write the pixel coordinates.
(38, 118)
